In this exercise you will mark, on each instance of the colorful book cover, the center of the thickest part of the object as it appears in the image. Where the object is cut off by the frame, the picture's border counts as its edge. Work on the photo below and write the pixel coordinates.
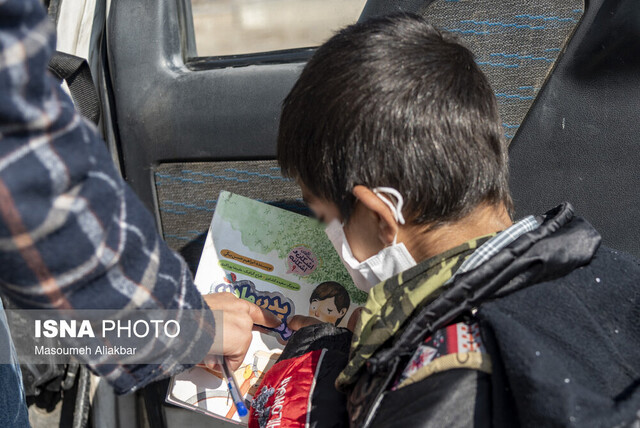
(279, 260)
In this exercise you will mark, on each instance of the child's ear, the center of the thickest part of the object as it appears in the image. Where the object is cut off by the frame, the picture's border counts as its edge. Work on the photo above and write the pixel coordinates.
(387, 225)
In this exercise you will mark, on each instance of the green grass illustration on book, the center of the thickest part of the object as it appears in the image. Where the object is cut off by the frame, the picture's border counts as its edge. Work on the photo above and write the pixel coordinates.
(264, 228)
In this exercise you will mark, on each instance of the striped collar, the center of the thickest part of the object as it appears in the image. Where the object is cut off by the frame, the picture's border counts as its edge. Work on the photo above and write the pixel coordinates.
(495, 244)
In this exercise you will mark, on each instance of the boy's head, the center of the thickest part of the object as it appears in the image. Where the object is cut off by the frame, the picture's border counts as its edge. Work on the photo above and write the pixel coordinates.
(329, 302)
(395, 102)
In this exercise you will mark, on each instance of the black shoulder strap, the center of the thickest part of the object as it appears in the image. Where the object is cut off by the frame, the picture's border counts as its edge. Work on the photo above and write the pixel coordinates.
(76, 72)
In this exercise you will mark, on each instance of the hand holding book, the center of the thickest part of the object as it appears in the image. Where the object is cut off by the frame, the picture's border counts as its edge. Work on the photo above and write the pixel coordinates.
(239, 319)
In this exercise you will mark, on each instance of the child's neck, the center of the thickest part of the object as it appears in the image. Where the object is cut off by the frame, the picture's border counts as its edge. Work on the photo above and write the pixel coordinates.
(425, 242)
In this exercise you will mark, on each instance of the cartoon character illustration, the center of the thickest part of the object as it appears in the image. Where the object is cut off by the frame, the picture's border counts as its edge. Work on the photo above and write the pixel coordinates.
(249, 377)
(329, 302)
(230, 278)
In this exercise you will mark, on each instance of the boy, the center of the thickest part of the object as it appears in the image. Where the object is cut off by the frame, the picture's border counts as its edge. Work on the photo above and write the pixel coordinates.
(393, 134)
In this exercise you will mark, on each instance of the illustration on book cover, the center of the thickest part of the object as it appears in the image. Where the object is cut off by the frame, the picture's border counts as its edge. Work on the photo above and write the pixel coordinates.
(279, 260)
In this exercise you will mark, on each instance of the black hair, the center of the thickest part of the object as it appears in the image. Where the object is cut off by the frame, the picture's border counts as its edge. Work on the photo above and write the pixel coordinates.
(329, 289)
(396, 102)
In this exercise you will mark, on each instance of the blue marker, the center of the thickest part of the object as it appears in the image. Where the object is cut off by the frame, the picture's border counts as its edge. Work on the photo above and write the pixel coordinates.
(233, 389)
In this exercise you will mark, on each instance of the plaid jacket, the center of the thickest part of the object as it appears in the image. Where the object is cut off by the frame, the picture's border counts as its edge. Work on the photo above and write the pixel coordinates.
(72, 233)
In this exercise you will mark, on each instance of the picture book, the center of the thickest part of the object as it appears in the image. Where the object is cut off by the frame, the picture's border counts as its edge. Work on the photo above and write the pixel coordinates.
(281, 261)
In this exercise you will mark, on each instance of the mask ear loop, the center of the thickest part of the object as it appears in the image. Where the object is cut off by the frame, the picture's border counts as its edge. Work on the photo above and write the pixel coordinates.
(396, 210)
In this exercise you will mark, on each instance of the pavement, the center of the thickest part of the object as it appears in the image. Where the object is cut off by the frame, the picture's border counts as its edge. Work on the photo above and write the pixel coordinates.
(229, 27)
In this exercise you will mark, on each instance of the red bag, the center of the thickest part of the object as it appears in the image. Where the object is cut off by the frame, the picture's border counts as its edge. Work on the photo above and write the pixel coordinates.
(284, 396)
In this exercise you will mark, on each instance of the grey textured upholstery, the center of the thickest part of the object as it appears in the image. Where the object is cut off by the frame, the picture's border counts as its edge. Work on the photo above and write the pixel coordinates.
(187, 193)
(516, 44)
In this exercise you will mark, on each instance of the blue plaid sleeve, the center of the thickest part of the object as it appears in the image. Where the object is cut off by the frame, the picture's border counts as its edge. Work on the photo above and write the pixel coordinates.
(73, 235)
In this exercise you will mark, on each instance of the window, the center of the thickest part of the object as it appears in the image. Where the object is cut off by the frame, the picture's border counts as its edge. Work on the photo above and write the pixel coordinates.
(231, 27)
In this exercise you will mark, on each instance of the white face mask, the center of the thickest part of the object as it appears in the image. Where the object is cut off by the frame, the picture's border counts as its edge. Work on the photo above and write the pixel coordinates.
(389, 262)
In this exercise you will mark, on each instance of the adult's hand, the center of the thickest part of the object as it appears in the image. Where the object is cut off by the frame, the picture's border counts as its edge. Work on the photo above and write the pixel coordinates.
(238, 319)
